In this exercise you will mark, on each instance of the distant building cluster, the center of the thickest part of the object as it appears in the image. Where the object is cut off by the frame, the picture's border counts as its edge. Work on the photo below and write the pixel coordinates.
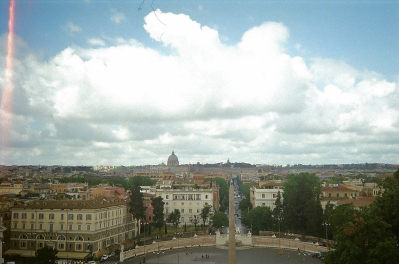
(82, 220)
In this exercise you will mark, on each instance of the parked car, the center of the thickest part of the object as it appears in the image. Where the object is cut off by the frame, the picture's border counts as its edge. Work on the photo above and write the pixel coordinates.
(91, 262)
(111, 254)
(104, 257)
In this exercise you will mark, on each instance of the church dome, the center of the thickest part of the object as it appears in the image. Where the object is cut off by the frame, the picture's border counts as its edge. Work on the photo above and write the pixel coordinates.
(173, 160)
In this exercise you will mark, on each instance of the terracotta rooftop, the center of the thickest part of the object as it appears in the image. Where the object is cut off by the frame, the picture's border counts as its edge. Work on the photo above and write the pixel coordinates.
(71, 204)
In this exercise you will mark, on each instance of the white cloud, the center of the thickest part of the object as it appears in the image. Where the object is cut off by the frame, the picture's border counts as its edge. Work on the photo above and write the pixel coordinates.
(72, 28)
(253, 102)
(96, 42)
(117, 17)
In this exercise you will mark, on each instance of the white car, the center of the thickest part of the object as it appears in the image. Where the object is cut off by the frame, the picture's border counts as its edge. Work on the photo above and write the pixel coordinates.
(104, 257)
(91, 262)
(111, 254)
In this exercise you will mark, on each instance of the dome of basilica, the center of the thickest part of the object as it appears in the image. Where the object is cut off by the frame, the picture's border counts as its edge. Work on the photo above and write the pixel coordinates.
(173, 160)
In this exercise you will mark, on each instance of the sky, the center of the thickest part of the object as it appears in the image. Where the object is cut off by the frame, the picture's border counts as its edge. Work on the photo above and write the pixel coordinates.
(125, 82)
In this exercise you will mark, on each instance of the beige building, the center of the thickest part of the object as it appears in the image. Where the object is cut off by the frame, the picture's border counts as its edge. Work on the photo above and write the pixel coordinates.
(267, 195)
(76, 228)
(189, 201)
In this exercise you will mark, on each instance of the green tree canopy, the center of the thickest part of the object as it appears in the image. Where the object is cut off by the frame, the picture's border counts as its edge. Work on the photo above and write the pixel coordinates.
(223, 191)
(260, 218)
(302, 210)
(365, 239)
(205, 213)
(46, 255)
(159, 218)
(174, 218)
(219, 219)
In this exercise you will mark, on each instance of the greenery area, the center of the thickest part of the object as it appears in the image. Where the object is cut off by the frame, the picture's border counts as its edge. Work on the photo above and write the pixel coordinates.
(114, 181)
(46, 255)
(219, 220)
(223, 191)
(368, 235)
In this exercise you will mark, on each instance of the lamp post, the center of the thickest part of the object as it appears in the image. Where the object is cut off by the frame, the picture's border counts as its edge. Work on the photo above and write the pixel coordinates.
(327, 224)
(144, 241)
(279, 236)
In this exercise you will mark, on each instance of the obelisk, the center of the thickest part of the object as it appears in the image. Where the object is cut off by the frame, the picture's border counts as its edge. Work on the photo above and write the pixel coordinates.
(232, 233)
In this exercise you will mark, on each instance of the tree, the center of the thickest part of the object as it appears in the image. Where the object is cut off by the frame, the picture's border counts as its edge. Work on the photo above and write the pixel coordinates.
(260, 218)
(219, 220)
(365, 239)
(195, 220)
(387, 204)
(301, 194)
(46, 255)
(136, 197)
(159, 218)
(174, 218)
(205, 212)
(223, 192)
(245, 205)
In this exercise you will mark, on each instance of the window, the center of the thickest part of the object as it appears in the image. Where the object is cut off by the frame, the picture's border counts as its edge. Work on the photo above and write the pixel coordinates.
(51, 227)
(15, 216)
(329, 194)
(206, 196)
(62, 216)
(23, 226)
(263, 195)
(70, 217)
(32, 226)
(182, 220)
(78, 246)
(79, 217)
(23, 244)
(40, 226)
(190, 211)
(51, 216)
(70, 227)
(337, 194)
(61, 245)
(88, 217)
(41, 216)
(167, 196)
(182, 211)
(23, 215)
(40, 245)
(88, 227)
(79, 227)
(346, 195)
(198, 210)
(33, 216)
(61, 226)
(274, 195)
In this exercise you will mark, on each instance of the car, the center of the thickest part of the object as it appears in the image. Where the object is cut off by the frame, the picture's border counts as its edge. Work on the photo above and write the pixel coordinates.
(111, 254)
(91, 262)
(104, 257)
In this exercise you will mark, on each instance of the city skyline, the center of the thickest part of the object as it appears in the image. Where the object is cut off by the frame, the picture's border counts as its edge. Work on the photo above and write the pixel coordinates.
(261, 82)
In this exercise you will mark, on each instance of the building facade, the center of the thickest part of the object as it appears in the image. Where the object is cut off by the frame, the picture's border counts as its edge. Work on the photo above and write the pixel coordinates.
(266, 196)
(77, 229)
(189, 201)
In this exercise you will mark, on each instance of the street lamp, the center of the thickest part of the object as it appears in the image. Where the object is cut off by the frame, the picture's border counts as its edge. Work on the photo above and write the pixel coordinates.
(327, 224)
(144, 241)
(279, 243)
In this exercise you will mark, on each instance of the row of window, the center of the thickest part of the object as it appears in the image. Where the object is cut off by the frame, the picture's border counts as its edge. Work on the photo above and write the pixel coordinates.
(61, 245)
(71, 216)
(190, 211)
(71, 226)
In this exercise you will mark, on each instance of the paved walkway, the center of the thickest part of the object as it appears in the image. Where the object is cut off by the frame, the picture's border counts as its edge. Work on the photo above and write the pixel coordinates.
(245, 255)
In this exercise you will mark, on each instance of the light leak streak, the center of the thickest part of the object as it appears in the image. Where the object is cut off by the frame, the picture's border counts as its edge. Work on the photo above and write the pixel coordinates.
(6, 96)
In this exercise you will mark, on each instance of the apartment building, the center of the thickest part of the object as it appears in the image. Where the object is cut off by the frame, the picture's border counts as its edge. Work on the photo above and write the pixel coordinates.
(267, 195)
(76, 228)
(189, 201)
